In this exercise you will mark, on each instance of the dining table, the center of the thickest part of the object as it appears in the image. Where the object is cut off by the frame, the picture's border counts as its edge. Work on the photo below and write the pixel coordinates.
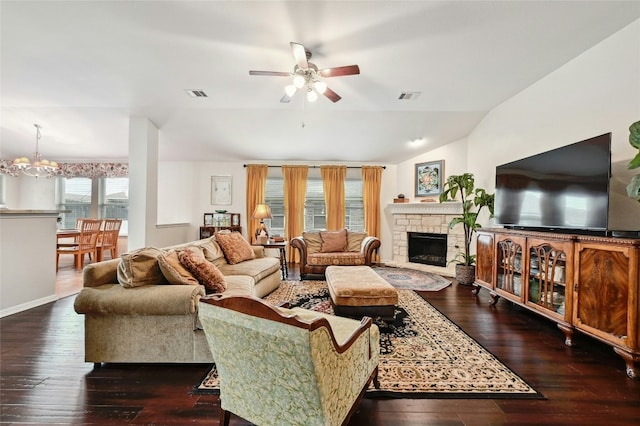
(67, 233)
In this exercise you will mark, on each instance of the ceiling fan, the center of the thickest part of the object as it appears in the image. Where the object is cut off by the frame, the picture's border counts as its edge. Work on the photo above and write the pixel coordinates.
(306, 75)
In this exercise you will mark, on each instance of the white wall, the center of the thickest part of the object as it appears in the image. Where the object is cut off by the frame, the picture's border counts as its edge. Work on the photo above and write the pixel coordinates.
(27, 260)
(454, 156)
(29, 193)
(175, 194)
(200, 189)
(201, 203)
(597, 92)
(143, 182)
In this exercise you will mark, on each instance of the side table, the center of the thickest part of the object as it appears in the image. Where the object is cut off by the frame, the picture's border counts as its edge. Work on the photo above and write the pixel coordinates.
(281, 247)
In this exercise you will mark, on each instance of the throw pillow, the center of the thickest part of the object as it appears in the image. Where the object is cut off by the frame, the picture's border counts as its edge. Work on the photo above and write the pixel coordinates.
(354, 240)
(140, 267)
(235, 248)
(205, 272)
(312, 241)
(173, 270)
(212, 250)
(333, 241)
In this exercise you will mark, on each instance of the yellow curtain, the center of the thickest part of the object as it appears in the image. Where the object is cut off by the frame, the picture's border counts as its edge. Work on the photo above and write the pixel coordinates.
(333, 186)
(295, 190)
(371, 184)
(256, 185)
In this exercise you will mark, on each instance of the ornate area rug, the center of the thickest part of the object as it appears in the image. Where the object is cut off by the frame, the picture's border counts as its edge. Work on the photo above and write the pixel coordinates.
(409, 279)
(422, 353)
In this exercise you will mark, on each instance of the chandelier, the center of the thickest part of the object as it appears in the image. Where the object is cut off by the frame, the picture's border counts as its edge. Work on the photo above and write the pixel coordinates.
(40, 167)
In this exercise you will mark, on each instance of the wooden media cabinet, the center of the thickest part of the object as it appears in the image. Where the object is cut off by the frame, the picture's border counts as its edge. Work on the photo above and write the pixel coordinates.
(582, 282)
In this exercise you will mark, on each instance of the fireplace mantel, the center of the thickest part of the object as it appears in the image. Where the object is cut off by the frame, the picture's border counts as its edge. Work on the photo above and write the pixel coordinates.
(452, 207)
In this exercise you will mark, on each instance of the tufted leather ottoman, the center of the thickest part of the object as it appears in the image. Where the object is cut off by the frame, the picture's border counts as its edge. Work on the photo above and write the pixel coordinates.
(358, 291)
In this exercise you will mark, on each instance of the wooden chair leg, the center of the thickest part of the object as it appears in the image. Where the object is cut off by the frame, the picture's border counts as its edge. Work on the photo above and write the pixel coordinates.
(225, 417)
(376, 380)
(57, 260)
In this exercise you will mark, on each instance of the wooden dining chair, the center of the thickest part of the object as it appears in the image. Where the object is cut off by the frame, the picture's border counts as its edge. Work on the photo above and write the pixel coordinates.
(65, 242)
(86, 243)
(108, 239)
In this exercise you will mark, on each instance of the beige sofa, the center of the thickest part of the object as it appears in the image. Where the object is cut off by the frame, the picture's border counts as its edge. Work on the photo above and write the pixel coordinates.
(159, 322)
(340, 248)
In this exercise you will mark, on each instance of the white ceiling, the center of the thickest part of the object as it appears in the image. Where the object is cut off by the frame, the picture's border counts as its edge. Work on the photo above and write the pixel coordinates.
(80, 69)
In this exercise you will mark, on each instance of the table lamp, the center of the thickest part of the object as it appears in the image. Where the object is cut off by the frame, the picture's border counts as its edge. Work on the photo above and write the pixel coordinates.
(262, 211)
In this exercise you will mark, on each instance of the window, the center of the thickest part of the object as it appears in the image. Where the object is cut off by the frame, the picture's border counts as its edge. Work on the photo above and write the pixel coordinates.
(314, 213)
(3, 191)
(314, 210)
(113, 201)
(275, 199)
(107, 197)
(73, 195)
(354, 205)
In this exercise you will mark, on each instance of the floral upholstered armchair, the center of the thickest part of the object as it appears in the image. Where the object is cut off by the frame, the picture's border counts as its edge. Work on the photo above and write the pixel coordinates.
(282, 366)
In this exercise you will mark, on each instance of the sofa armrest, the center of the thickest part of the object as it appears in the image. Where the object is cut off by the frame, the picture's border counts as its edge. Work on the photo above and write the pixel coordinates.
(150, 299)
(97, 274)
(368, 248)
(259, 251)
(300, 244)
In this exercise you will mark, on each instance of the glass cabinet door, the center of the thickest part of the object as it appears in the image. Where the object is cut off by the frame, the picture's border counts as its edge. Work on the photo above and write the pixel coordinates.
(548, 271)
(509, 276)
(222, 219)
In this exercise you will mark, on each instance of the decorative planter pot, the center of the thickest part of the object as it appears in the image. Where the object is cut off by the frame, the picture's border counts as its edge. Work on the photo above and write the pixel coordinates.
(465, 275)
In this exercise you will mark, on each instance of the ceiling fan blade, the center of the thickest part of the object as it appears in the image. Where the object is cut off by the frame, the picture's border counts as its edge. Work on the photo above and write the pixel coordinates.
(339, 71)
(270, 73)
(285, 98)
(331, 95)
(300, 55)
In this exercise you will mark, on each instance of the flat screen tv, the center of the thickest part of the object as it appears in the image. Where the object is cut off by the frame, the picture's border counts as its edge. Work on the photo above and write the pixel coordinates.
(566, 188)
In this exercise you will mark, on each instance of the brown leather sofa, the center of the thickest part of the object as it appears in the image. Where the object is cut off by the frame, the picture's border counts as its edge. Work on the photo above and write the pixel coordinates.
(315, 254)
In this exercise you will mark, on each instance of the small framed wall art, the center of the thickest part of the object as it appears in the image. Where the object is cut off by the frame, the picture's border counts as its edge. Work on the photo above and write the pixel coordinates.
(220, 190)
(429, 178)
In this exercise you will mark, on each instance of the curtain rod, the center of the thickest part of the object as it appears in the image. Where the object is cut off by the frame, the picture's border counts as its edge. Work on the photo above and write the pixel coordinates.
(315, 167)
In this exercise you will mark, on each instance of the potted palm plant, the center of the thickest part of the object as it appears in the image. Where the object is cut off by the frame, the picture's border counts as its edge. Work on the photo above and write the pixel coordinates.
(473, 201)
(633, 189)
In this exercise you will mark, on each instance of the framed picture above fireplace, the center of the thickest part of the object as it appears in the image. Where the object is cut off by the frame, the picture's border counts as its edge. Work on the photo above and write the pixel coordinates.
(429, 178)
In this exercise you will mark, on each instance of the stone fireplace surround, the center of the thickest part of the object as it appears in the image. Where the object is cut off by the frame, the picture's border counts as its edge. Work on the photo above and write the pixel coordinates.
(431, 217)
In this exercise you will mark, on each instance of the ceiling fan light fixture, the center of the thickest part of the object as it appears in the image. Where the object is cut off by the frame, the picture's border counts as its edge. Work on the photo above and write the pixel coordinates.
(320, 86)
(307, 76)
(299, 81)
(312, 96)
(290, 90)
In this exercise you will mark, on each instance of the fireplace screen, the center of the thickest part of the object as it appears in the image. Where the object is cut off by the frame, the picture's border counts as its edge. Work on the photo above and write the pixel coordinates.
(428, 249)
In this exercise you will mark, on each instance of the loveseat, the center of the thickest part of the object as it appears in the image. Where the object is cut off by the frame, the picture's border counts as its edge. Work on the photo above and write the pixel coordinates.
(133, 313)
(341, 248)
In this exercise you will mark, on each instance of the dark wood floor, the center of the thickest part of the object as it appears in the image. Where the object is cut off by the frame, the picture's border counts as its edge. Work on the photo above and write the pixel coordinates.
(44, 379)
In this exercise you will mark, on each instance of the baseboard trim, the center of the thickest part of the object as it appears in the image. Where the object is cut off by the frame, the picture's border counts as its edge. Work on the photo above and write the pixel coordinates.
(28, 305)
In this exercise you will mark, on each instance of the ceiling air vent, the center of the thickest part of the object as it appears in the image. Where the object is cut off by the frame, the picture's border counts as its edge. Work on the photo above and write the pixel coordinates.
(196, 93)
(409, 96)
